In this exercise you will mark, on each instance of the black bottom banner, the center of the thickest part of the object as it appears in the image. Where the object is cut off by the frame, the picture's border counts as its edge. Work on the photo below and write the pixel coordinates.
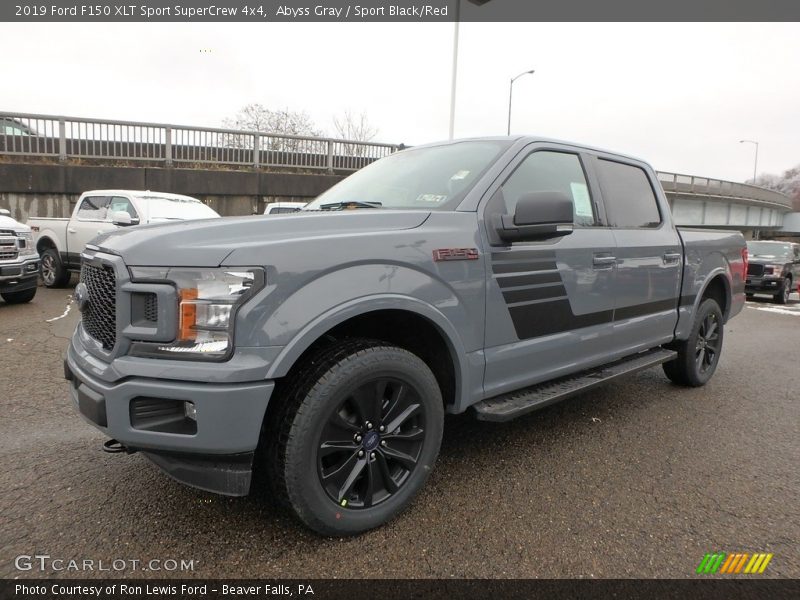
(391, 589)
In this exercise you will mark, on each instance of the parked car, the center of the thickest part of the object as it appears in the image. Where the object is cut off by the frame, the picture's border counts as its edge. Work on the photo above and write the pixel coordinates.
(60, 241)
(774, 269)
(325, 346)
(19, 262)
(279, 208)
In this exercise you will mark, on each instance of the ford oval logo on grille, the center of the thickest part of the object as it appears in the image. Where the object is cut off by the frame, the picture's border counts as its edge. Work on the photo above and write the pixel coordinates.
(81, 296)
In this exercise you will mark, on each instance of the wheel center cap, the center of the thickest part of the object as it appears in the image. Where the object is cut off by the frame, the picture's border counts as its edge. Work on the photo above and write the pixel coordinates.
(371, 441)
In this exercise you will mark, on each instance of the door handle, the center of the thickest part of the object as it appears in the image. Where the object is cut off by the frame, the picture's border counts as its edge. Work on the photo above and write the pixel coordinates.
(604, 261)
(670, 257)
(71, 230)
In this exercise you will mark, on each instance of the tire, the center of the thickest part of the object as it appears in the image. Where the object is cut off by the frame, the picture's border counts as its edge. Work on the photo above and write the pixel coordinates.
(782, 297)
(19, 297)
(698, 356)
(328, 458)
(52, 270)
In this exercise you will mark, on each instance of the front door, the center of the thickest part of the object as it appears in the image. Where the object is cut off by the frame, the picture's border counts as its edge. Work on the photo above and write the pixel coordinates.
(549, 303)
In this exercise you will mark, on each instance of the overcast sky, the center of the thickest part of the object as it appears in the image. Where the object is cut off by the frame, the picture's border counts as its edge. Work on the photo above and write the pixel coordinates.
(678, 95)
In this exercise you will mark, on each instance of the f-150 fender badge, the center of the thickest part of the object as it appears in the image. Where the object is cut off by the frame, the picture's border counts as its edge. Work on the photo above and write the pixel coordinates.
(455, 254)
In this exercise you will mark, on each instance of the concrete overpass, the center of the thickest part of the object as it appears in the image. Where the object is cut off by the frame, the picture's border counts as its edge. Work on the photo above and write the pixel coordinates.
(46, 161)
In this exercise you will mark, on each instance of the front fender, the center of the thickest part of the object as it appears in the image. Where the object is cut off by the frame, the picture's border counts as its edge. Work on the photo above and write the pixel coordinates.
(294, 322)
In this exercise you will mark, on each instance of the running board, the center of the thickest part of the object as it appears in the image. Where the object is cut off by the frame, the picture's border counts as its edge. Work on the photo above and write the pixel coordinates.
(514, 404)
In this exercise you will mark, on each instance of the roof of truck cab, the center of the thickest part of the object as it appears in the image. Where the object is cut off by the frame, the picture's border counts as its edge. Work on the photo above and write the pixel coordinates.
(529, 139)
(139, 194)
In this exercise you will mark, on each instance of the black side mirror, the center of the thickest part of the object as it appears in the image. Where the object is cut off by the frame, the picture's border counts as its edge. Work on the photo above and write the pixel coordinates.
(538, 215)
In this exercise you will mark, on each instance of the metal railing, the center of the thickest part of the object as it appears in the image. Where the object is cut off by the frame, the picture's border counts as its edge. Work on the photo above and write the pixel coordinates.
(71, 137)
(692, 185)
(77, 138)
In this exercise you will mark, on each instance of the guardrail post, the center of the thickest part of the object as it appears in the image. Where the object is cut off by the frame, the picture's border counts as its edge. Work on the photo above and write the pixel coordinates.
(62, 140)
(330, 157)
(168, 146)
(256, 150)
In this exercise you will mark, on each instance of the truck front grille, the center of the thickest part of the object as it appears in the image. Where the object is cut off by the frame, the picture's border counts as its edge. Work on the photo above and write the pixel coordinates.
(8, 245)
(100, 315)
(755, 270)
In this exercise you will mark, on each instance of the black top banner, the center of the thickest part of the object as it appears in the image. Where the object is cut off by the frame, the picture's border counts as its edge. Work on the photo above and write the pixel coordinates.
(421, 11)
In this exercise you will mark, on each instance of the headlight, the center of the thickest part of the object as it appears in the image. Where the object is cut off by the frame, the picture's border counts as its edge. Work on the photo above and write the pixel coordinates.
(774, 270)
(207, 303)
(26, 245)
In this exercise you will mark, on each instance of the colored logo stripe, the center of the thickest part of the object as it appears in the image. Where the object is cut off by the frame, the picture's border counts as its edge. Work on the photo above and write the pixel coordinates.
(734, 563)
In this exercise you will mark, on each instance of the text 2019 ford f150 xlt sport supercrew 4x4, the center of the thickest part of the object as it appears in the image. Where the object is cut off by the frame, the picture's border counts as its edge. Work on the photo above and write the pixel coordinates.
(325, 346)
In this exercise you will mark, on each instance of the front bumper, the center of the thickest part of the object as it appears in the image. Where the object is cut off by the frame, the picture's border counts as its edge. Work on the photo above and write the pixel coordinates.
(19, 276)
(769, 285)
(216, 456)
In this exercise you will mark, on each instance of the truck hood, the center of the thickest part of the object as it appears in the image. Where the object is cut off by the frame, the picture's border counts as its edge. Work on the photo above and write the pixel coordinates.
(9, 223)
(207, 242)
(767, 259)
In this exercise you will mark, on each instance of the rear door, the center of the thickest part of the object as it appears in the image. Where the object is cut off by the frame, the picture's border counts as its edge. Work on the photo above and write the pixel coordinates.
(549, 303)
(649, 254)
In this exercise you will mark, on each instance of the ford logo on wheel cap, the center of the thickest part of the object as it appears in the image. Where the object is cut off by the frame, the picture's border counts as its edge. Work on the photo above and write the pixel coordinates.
(81, 296)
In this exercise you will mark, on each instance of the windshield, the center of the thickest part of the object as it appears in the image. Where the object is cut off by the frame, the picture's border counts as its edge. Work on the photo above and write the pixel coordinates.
(433, 178)
(180, 209)
(769, 249)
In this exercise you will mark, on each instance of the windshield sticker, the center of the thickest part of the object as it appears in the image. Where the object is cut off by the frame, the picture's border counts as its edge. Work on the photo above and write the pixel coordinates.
(435, 198)
(581, 199)
(460, 175)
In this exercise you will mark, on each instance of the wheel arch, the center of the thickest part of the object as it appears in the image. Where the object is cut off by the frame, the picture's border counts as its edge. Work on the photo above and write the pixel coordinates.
(45, 242)
(401, 320)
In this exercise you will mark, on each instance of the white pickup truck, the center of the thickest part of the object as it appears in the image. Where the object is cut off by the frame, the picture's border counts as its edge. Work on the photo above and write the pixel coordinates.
(19, 263)
(60, 241)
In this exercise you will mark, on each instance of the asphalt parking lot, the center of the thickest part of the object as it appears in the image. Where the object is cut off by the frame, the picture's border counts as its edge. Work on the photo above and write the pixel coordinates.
(638, 479)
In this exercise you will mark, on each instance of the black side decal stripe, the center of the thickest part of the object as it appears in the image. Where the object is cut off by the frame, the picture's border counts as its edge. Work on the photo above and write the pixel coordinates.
(514, 280)
(688, 299)
(537, 293)
(546, 318)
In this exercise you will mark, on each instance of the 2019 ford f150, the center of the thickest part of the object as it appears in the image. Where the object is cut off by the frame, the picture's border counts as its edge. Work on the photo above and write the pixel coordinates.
(322, 348)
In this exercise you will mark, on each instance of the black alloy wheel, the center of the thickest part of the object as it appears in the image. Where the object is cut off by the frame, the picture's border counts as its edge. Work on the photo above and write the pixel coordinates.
(371, 443)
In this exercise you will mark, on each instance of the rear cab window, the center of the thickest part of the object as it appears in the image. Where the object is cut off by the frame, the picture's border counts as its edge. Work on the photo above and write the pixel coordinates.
(628, 195)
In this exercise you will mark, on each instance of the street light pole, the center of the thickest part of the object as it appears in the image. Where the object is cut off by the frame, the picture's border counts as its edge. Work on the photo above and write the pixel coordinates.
(511, 91)
(455, 72)
(755, 164)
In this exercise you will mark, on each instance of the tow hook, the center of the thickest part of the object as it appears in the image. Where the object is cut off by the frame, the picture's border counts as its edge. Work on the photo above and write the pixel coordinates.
(116, 447)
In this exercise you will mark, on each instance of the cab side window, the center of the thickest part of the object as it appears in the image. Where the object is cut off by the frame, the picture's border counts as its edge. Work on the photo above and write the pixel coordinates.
(628, 195)
(548, 171)
(122, 204)
(93, 208)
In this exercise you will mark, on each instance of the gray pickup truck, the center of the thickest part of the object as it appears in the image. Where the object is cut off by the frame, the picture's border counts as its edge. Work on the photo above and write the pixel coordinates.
(321, 349)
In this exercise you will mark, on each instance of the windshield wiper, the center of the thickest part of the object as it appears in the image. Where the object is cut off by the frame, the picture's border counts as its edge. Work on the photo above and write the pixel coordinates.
(348, 204)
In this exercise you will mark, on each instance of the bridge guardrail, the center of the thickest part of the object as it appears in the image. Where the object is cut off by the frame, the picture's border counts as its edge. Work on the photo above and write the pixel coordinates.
(678, 183)
(71, 137)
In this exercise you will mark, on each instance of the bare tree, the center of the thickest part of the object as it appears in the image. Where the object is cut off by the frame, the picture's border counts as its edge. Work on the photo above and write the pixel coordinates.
(788, 183)
(257, 117)
(356, 128)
